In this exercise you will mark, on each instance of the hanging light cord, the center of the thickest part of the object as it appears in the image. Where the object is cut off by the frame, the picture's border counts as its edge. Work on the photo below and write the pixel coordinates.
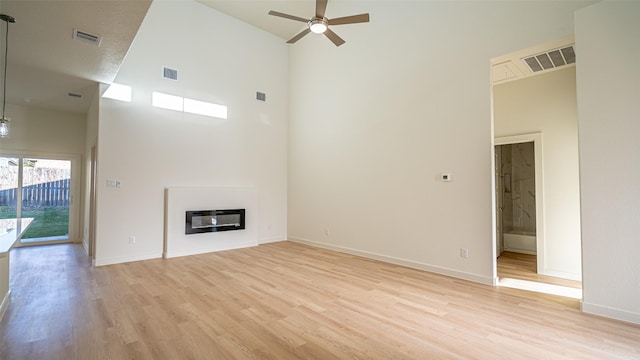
(6, 52)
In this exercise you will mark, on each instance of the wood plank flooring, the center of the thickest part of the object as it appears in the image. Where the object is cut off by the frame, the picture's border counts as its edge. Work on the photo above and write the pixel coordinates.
(284, 301)
(523, 267)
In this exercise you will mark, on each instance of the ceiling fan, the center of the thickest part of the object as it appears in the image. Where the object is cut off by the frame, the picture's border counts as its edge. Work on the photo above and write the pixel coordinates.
(319, 24)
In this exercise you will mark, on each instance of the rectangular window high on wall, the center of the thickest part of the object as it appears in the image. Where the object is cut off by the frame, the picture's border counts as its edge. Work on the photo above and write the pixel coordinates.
(178, 103)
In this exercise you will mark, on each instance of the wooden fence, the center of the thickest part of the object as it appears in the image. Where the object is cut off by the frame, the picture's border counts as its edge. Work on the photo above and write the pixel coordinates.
(53, 193)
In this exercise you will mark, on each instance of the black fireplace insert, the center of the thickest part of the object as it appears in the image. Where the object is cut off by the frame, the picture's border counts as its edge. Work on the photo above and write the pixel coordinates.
(203, 221)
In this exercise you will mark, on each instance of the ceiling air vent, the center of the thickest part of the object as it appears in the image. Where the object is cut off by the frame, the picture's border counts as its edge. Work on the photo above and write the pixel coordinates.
(74, 95)
(168, 73)
(86, 37)
(551, 59)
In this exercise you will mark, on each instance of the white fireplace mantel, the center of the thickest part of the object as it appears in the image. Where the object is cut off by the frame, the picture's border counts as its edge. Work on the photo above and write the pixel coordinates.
(179, 200)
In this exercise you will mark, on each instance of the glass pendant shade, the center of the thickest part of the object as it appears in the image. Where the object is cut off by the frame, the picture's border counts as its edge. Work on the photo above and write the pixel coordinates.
(4, 127)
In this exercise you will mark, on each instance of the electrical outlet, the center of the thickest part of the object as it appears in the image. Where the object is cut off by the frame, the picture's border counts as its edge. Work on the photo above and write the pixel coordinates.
(464, 253)
(327, 232)
(132, 239)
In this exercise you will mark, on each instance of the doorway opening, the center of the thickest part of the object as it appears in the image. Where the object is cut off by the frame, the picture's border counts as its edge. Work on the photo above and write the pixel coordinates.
(520, 241)
(543, 102)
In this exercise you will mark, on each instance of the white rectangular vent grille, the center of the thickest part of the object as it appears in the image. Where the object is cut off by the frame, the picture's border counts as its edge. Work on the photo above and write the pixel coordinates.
(168, 73)
(86, 37)
(551, 59)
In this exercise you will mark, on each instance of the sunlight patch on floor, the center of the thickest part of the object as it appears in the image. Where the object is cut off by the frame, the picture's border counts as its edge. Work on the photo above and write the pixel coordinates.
(541, 287)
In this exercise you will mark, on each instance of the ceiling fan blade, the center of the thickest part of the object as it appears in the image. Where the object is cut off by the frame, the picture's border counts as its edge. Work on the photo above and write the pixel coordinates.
(299, 36)
(287, 16)
(321, 8)
(353, 19)
(337, 40)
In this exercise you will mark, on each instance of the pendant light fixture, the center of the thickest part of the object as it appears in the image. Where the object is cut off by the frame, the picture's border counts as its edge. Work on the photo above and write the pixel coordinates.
(4, 121)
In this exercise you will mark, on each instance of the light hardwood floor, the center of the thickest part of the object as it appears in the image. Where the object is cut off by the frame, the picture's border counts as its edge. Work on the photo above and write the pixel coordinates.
(523, 267)
(284, 301)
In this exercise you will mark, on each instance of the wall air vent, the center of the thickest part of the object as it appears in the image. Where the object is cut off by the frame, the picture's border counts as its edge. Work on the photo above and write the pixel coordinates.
(74, 95)
(261, 96)
(86, 37)
(168, 73)
(551, 59)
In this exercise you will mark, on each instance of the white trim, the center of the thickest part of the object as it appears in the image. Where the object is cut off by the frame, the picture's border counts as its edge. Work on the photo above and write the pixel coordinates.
(207, 249)
(536, 138)
(562, 274)
(125, 259)
(397, 261)
(610, 312)
(273, 239)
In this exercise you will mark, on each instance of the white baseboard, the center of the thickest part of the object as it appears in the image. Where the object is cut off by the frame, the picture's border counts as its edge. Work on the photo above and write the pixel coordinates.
(610, 312)
(271, 240)
(397, 261)
(197, 251)
(124, 259)
(5, 304)
(560, 274)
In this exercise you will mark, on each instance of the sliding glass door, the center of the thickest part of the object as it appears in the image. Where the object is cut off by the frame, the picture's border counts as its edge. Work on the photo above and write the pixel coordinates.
(46, 190)
(9, 187)
(39, 188)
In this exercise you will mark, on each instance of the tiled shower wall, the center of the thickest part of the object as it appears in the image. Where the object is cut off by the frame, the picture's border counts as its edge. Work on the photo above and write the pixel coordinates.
(519, 190)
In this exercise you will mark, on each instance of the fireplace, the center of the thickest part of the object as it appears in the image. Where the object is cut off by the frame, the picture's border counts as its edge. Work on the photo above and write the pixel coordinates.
(204, 221)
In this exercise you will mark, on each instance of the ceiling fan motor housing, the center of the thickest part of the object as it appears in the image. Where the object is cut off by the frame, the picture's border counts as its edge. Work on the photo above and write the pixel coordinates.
(318, 25)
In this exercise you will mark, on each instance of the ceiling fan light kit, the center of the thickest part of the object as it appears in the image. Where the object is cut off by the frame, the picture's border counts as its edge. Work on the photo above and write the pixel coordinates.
(319, 24)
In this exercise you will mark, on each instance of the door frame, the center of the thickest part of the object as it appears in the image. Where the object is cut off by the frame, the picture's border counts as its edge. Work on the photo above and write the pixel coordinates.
(92, 202)
(74, 196)
(536, 138)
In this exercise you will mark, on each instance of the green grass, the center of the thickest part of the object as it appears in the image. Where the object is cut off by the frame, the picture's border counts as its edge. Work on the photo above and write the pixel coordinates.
(48, 221)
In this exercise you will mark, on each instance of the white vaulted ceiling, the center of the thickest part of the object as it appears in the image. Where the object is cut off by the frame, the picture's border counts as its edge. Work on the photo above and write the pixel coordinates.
(46, 63)
(255, 12)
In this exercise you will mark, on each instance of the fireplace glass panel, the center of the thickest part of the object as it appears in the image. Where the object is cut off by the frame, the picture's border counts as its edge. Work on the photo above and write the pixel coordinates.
(214, 220)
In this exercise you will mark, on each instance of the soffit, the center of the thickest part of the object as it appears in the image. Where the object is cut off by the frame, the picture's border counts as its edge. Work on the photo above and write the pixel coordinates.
(512, 66)
(45, 63)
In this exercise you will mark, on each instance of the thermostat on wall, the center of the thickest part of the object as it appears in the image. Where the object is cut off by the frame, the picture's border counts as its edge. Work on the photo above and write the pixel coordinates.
(446, 177)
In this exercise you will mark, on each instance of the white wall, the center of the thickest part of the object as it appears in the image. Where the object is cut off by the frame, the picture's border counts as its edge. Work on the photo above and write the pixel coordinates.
(547, 104)
(220, 60)
(609, 124)
(37, 130)
(54, 134)
(374, 122)
(91, 139)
